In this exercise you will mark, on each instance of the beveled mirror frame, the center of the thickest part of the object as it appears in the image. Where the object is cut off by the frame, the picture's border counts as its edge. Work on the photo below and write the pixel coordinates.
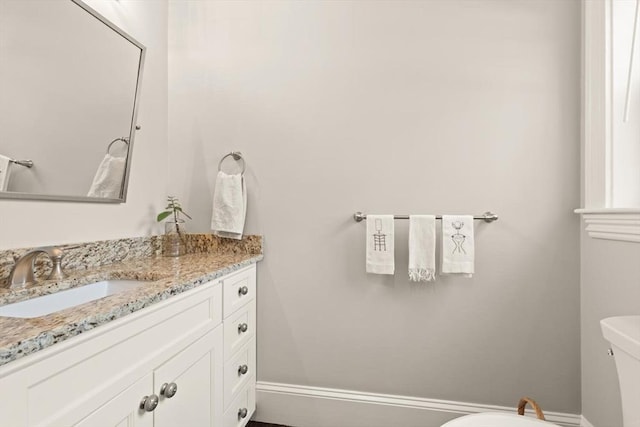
(132, 130)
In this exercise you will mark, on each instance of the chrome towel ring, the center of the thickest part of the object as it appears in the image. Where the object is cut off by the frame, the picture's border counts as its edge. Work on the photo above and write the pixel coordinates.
(237, 156)
(123, 139)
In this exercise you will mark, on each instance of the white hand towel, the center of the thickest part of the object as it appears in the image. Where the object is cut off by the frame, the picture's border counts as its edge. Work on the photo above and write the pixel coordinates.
(229, 206)
(380, 250)
(457, 245)
(108, 179)
(422, 248)
(5, 172)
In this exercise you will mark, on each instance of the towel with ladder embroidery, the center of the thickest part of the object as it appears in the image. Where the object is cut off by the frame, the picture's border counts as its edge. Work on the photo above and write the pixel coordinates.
(380, 249)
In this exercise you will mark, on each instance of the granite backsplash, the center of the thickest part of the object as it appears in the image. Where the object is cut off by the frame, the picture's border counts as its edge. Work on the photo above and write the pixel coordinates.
(89, 255)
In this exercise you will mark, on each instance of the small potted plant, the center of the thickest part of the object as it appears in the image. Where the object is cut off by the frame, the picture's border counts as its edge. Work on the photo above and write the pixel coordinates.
(174, 242)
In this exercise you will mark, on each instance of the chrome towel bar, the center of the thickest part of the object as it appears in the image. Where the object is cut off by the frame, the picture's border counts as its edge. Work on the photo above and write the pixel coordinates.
(486, 217)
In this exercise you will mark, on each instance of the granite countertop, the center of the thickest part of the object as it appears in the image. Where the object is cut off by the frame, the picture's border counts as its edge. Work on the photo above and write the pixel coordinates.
(167, 277)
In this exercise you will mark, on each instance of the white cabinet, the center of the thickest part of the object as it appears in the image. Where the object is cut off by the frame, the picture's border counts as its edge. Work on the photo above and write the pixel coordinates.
(172, 351)
(184, 384)
(119, 412)
(239, 292)
(195, 402)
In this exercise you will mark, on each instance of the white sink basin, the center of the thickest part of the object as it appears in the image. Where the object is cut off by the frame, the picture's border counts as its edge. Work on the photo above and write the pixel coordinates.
(623, 332)
(47, 304)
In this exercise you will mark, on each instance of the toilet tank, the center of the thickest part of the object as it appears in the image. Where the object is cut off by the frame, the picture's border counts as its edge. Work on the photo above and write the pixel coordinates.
(623, 332)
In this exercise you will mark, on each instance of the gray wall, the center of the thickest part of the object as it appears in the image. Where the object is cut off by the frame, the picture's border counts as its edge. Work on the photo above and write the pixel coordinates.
(395, 107)
(610, 286)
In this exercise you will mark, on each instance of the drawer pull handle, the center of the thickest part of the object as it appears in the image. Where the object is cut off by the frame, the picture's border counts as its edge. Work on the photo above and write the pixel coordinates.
(242, 413)
(243, 369)
(169, 390)
(243, 291)
(242, 327)
(149, 403)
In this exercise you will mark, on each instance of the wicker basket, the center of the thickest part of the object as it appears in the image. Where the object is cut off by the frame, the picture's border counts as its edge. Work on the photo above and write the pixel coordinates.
(533, 404)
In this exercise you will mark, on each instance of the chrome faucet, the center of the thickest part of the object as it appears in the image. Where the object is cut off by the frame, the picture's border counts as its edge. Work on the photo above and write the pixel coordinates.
(22, 272)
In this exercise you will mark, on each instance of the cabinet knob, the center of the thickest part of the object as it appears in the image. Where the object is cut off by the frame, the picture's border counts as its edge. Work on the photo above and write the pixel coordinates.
(243, 291)
(169, 390)
(242, 327)
(242, 413)
(243, 369)
(149, 403)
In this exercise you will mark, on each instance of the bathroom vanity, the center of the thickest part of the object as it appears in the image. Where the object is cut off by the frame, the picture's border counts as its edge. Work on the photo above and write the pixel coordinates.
(178, 351)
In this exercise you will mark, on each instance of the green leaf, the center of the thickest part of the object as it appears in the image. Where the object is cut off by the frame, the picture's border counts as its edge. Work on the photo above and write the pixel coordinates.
(163, 215)
(173, 208)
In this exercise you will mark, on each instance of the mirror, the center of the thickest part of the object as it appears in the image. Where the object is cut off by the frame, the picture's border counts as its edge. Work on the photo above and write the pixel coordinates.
(69, 91)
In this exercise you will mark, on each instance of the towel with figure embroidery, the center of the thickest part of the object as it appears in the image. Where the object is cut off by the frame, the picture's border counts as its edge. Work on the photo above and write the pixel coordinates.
(457, 245)
(380, 250)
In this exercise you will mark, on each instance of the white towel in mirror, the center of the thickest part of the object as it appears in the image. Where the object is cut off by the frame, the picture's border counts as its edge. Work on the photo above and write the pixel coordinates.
(5, 172)
(107, 182)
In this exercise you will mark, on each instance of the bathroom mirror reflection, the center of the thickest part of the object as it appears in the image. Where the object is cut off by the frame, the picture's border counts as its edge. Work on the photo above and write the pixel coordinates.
(69, 89)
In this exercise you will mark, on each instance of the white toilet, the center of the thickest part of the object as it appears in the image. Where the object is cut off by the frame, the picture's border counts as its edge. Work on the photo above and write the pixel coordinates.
(623, 333)
(496, 419)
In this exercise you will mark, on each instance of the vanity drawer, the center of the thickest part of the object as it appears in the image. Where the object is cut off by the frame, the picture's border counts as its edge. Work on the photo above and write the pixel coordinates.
(239, 329)
(234, 378)
(239, 289)
(242, 407)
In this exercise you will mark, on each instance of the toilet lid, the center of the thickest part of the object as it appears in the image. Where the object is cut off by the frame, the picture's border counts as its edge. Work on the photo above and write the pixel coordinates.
(495, 419)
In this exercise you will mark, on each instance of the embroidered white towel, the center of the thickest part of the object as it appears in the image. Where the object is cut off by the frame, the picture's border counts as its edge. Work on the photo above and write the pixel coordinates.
(422, 248)
(107, 181)
(380, 250)
(5, 172)
(457, 245)
(229, 206)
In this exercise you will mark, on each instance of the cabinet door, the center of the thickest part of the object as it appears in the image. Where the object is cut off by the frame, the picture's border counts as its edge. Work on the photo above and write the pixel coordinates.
(197, 373)
(124, 409)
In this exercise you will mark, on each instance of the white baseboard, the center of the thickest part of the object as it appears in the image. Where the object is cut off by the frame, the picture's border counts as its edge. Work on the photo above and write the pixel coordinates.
(306, 406)
(585, 422)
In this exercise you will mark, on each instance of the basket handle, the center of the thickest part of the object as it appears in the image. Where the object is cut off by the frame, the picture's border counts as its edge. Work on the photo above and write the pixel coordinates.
(533, 404)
